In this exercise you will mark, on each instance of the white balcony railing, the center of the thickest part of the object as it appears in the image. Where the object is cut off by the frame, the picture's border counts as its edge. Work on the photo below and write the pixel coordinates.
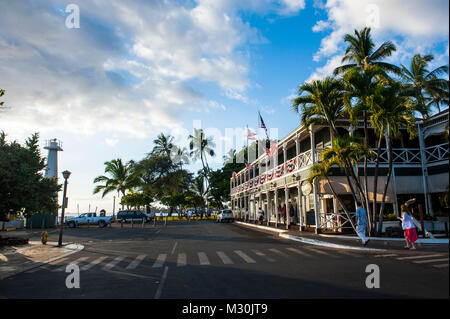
(400, 156)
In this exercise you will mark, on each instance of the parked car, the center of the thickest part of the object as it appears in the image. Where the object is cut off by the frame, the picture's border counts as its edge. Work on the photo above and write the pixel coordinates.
(225, 215)
(89, 218)
(132, 215)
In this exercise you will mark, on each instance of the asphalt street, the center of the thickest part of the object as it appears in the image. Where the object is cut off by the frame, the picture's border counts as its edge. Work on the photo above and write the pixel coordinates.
(204, 259)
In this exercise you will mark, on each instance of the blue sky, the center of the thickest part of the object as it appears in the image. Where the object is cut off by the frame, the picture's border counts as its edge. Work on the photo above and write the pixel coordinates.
(137, 68)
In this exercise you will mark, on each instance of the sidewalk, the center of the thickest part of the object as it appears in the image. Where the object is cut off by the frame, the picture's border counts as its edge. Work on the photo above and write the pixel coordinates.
(350, 242)
(18, 259)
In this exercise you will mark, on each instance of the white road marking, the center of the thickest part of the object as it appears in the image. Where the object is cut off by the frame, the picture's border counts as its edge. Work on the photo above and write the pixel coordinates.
(419, 257)
(113, 263)
(136, 262)
(344, 252)
(441, 266)
(298, 251)
(430, 261)
(386, 255)
(161, 283)
(181, 261)
(43, 266)
(246, 258)
(225, 259)
(203, 258)
(174, 246)
(159, 262)
(93, 263)
(258, 253)
(129, 274)
(320, 252)
(276, 251)
(75, 262)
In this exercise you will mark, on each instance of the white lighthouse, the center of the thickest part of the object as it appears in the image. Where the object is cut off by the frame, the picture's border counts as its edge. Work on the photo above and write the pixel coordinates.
(53, 146)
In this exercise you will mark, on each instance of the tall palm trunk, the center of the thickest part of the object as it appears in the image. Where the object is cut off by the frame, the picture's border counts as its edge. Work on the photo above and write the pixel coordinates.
(341, 203)
(386, 185)
(366, 181)
(375, 180)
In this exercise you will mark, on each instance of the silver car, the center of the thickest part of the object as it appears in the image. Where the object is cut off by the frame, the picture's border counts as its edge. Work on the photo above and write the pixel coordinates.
(225, 215)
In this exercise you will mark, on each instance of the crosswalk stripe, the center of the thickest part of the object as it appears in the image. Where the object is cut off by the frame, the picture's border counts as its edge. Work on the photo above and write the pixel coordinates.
(181, 261)
(344, 252)
(298, 251)
(43, 266)
(246, 258)
(203, 258)
(429, 261)
(258, 253)
(93, 263)
(419, 257)
(113, 263)
(159, 262)
(136, 262)
(75, 262)
(225, 259)
(441, 266)
(320, 252)
(386, 255)
(276, 251)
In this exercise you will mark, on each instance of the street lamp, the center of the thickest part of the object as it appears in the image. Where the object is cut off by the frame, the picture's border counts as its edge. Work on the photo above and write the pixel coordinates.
(66, 175)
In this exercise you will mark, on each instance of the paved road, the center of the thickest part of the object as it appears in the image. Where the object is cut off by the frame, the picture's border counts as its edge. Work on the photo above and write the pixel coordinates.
(203, 259)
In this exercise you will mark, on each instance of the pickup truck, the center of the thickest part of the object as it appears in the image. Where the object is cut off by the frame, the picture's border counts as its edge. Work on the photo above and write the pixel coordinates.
(89, 218)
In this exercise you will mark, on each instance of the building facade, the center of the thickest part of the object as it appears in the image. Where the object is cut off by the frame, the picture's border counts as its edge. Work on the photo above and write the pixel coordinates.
(421, 170)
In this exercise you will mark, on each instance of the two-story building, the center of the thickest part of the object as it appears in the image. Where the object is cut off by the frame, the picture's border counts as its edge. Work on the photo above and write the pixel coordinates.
(421, 170)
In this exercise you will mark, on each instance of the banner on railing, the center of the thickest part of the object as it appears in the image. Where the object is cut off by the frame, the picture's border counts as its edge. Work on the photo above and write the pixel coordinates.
(262, 178)
(290, 165)
(279, 171)
(270, 175)
(250, 183)
(256, 181)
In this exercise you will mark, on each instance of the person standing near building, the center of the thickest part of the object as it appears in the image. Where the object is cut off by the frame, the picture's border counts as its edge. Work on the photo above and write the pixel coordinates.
(409, 228)
(361, 223)
(283, 213)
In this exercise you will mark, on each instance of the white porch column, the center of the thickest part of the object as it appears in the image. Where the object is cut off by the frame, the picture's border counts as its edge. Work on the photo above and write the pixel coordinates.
(276, 206)
(300, 206)
(254, 205)
(286, 202)
(284, 157)
(316, 198)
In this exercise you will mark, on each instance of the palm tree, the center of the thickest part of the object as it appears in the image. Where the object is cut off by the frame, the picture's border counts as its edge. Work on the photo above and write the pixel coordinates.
(320, 102)
(180, 156)
(361, 53)
(120, 179)
(2, 92)
(200, 146)
(422, 83)
(392, 109)
(163, 145)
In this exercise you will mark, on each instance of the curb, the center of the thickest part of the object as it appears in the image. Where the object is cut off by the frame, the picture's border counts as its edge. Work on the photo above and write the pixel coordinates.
(281, 233)
(262, 227)
(325, 244)
(70, 248)
(419, 241)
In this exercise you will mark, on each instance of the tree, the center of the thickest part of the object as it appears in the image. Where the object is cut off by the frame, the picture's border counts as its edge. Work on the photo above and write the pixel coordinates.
(320, 102)
(424, 85)
(23, 187)
(2, 92)
(120, 180)
(392, 109)
(180, 155)
(163, 145)
(201, 146)
(361, 53)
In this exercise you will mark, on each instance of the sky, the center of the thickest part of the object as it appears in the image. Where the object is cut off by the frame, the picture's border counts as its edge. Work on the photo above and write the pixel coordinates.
(135, 68)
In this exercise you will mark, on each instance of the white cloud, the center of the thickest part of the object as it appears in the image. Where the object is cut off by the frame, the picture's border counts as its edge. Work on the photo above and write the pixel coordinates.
(415, 27)
(111, 141)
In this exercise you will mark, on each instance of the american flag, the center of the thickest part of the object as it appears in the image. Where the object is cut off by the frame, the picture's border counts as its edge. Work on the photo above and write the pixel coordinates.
(247, 164)
(234, 174)
(250, 135)
(263, 125)
(272, 150)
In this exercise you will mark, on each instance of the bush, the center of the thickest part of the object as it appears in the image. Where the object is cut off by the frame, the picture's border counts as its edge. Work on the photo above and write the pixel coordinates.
(390, 217)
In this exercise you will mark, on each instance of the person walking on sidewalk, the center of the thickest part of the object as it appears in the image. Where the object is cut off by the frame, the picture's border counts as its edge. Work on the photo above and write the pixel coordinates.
(361, 223)
(409, 228)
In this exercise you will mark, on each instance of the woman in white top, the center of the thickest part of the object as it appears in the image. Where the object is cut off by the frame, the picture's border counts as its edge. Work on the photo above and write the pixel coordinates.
(409, 228)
